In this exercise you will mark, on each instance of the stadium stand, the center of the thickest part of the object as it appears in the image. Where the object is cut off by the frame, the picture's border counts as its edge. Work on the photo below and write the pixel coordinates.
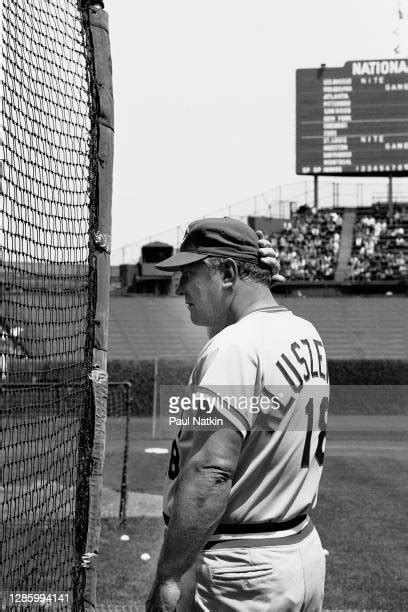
(315, 249)
(324, 248)
(309, 244)
(144, 327)
(380, 245)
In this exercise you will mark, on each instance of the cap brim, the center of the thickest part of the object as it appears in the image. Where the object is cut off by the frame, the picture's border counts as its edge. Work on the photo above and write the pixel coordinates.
(180, 260)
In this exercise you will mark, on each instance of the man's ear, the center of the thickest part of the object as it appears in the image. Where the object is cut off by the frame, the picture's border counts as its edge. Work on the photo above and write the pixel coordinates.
(229, 271)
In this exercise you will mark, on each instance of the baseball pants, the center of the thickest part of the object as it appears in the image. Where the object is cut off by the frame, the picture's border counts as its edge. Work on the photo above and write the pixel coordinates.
(276, 578)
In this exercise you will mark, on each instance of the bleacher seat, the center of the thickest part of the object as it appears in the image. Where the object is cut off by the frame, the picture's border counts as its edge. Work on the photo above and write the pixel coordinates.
(144, 327)
(380, 245)
(309, 244)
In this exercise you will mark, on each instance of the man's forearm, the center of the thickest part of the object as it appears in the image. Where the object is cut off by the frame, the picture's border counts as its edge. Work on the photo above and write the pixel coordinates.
(199, 504)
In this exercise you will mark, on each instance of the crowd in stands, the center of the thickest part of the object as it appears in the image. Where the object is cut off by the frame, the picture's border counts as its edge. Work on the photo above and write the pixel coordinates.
(309, 244)
(380, 249)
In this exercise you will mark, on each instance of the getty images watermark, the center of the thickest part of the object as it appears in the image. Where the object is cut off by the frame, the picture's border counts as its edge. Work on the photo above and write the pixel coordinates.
(343, 408)
(239, 407)
(204, 410)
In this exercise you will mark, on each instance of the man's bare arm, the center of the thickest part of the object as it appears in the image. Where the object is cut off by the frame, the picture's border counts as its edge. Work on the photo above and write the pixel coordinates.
(200, 500)
(201, 497)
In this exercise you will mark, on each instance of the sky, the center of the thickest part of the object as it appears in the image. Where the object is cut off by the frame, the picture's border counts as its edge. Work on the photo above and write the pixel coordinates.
(205, 99)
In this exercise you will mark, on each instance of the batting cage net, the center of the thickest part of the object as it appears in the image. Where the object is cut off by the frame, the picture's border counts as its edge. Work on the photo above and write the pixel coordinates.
(47, 284)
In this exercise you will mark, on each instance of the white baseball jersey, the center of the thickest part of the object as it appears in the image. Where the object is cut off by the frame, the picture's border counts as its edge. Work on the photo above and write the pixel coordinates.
(266, 376)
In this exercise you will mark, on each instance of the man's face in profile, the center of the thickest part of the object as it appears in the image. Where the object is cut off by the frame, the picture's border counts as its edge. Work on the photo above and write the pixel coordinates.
(202, 290)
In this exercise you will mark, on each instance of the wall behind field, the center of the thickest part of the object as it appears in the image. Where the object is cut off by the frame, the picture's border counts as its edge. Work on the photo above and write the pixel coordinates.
(370, 387)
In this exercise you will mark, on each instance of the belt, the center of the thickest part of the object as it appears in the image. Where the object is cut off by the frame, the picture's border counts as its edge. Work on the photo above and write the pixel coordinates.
(254, 542)
(267, 526)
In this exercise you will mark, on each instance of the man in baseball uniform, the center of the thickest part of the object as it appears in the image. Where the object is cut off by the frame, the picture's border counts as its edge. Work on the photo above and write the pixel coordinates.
(246, 463)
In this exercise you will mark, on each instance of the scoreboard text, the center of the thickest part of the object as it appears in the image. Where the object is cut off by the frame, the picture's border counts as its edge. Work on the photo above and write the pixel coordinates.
(353, 120)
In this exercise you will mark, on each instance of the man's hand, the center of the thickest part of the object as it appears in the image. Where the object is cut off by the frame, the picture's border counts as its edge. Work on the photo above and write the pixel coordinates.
(268, 256)
(164, 596)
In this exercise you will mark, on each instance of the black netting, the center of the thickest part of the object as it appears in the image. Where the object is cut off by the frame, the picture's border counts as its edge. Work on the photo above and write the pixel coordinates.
(47, 283)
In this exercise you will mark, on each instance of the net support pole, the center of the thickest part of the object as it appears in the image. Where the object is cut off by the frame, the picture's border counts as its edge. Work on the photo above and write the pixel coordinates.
(123, 486)
(155, 391)
(390, 196)
(102, 240)
(316, 190)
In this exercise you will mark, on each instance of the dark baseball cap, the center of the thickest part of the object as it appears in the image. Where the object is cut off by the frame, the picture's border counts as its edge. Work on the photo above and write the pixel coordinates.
(218, 237)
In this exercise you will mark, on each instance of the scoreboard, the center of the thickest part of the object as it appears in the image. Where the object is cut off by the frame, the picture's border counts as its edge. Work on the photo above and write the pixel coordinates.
(353, 120)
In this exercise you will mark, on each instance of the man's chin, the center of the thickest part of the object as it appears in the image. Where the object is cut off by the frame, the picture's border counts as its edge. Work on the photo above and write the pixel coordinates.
(197, 321)
(195, 318)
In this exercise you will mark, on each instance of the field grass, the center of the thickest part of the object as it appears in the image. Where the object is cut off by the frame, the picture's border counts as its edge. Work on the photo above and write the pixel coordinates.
(360, 517)
(145, 471)
(360, 514)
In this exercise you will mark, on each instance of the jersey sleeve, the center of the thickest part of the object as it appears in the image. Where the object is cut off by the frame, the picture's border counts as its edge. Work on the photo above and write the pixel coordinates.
(228, 376)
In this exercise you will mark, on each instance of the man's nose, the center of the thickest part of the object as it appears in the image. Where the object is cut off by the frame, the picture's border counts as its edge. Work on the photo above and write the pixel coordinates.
(179, 286)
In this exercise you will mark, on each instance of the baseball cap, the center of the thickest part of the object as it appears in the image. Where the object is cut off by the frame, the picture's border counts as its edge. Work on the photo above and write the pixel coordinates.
(217, 237)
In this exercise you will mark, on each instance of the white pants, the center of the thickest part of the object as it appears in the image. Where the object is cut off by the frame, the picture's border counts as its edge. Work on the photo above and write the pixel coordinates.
(278, 578)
